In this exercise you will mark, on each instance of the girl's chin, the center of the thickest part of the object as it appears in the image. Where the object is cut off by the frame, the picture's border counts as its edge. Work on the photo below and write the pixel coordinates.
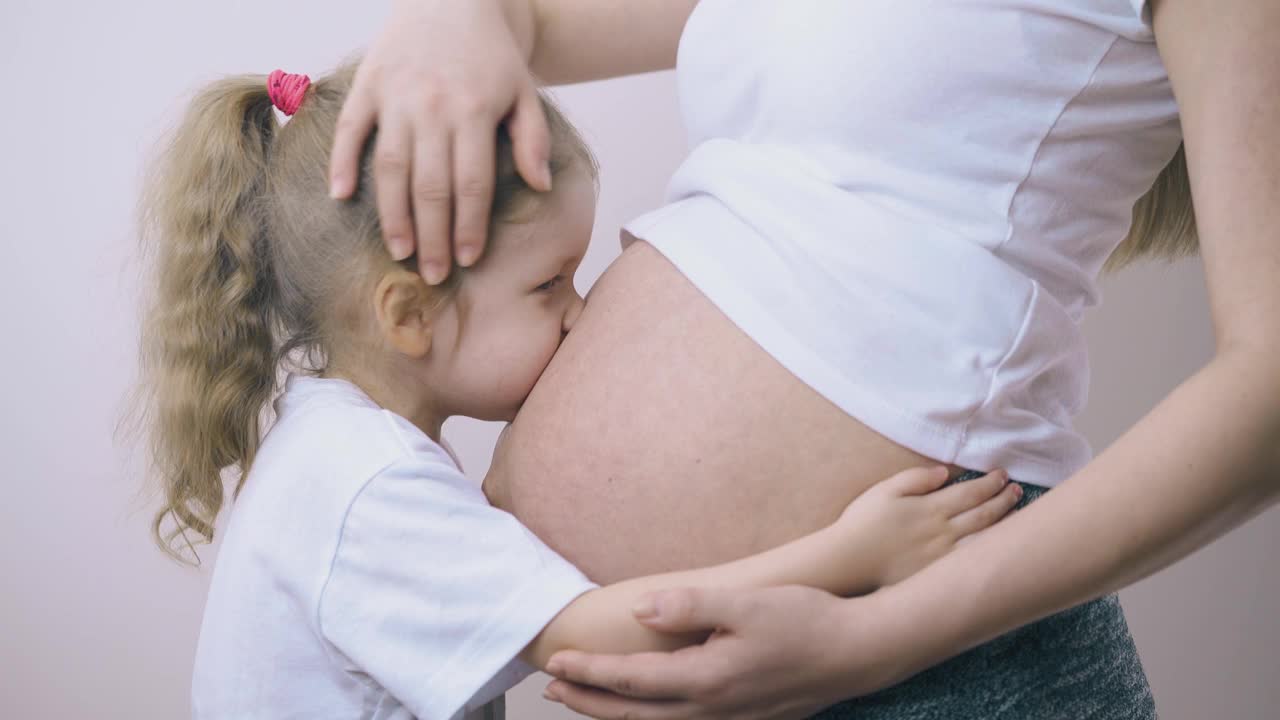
(494, 414)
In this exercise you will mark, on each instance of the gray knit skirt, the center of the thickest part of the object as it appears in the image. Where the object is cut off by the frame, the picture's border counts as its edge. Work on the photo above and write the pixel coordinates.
(1080, 664)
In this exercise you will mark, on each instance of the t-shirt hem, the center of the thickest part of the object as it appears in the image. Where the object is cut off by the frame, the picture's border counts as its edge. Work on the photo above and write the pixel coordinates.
(941, 443)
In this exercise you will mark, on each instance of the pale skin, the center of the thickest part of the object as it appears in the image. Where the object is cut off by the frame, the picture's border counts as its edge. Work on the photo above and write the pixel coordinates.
(481, 353)
(1200, 463)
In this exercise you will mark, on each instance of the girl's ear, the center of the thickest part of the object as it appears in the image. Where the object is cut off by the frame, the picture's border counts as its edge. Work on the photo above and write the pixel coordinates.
(402, 305)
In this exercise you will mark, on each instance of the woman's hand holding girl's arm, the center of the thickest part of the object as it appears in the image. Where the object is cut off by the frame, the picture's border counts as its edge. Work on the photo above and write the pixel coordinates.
(889, 532)
(441, 78)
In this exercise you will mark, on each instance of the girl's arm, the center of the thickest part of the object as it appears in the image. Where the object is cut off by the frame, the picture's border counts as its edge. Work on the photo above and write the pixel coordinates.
(889, 532)
(445, 74)
(1205, 460)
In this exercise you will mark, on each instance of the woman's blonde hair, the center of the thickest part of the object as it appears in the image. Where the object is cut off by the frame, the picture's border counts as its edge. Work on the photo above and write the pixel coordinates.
(254, 265)
(1164, 221)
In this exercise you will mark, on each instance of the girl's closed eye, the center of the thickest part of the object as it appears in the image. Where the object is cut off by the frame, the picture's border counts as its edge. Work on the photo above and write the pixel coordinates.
(551, 284)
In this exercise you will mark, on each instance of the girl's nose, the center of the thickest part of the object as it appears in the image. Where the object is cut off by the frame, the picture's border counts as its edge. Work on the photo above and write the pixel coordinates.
(572, 313)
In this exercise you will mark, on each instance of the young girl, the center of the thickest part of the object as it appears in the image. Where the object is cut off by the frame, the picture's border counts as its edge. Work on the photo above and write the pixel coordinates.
(361, 574)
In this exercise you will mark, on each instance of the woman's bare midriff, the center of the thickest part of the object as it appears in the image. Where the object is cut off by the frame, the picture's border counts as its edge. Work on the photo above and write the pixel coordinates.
(661, 437)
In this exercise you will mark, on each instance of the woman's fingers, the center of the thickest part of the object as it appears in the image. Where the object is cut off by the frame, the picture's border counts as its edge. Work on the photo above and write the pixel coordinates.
(988, 513)
(436, 83)
(530, 139)
(355, 122)
(602, 704)
(964, 496)
(648, 676)
(688, 610)
(656, 675)
(473, 172)
(432, 202)
(474, 166)
(391, 179)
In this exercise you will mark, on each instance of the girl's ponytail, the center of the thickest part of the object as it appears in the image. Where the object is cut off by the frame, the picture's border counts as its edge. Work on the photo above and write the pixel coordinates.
(209, 354)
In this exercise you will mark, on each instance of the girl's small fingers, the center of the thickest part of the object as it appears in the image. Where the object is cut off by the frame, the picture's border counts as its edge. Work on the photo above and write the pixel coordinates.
(967, 495)
(918, 480)
(988, 513)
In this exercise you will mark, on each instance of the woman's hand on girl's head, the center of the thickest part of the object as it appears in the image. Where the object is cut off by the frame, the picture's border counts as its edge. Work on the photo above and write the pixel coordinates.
(776, 653)
(907, 521)
(437, 83)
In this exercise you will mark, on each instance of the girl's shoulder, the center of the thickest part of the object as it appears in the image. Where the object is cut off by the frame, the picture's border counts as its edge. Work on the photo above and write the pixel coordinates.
(328, 448)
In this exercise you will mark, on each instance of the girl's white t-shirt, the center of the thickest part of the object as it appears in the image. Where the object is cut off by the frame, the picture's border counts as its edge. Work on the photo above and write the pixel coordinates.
(907, 203)
(361, 575)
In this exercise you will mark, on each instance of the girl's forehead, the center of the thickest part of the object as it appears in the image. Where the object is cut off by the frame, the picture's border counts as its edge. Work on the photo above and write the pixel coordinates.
(549, 221)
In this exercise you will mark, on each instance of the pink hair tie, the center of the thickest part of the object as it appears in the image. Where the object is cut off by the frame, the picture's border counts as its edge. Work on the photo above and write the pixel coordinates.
(286, 90)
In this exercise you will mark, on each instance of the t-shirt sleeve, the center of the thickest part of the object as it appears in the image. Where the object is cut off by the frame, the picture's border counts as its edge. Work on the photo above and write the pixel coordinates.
(433, 592)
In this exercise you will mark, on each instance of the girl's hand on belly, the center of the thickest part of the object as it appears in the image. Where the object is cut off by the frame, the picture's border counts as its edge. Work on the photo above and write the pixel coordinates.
(907, 521)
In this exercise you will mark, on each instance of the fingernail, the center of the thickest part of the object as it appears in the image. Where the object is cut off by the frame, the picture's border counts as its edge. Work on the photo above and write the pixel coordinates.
(1017, 490)
(646, 608)
(433, 272)
(400, 248)
(335, 186)
(554, 667)
(546, 176)
(551, 695)
(466, 255)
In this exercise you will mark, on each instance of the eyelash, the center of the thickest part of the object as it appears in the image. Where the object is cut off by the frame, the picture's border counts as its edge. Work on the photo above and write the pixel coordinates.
(550, 284)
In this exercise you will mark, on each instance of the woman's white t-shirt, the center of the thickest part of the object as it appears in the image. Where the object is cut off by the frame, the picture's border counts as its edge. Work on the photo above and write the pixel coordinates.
(362, 575)
(907, 203)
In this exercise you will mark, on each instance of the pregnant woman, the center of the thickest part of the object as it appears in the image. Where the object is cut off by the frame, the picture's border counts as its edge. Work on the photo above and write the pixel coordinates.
(877, 255)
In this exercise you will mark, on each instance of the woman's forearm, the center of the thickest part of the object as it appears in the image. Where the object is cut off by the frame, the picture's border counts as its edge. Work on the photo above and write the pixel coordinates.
(569, 41)
(603, 620)
(1201, 463)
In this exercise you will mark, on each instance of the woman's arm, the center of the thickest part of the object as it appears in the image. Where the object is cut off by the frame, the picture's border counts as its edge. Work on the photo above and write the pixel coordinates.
(445, 74)
(1205, 460)
(569, 41)
(889, 532)
(1208, 457)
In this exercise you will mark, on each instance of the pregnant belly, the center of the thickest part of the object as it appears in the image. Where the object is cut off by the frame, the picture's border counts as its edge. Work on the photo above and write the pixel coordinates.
(661, 437)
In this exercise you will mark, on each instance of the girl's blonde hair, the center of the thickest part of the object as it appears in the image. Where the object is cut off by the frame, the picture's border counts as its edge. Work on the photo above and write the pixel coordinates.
(1164, 221)
(255, 264)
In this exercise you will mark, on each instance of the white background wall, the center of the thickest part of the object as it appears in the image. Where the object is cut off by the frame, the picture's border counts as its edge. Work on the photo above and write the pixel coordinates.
(95, 623)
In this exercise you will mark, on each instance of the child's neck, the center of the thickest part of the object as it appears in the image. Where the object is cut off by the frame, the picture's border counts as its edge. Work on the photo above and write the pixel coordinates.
(413, 404)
